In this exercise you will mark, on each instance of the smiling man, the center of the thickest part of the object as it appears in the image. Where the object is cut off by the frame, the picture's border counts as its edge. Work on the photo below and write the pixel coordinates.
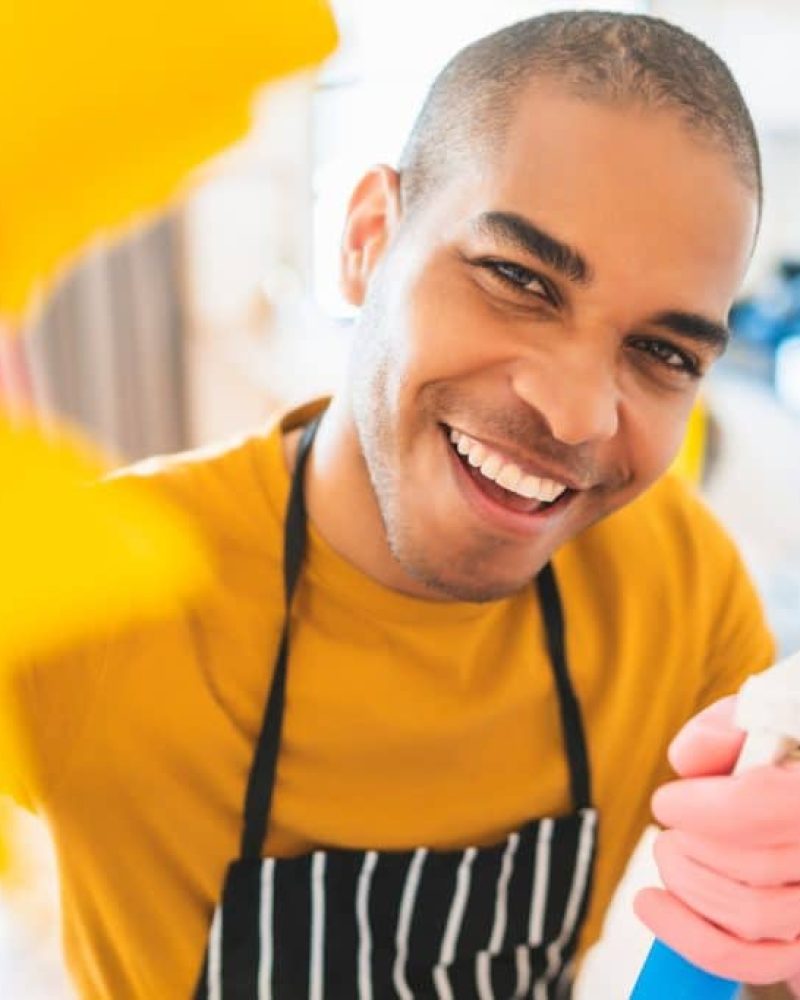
(548, 307)
(425, 777)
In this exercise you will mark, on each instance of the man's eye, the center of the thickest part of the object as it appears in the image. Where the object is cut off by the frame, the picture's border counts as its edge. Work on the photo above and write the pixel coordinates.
(669, 355)
(520, 278)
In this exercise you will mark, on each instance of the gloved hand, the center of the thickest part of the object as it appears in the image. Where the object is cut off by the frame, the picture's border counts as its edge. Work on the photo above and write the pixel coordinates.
(729, 857)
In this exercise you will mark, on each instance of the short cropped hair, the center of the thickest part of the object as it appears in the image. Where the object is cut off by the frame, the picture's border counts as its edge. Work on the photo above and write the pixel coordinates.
(610, 58)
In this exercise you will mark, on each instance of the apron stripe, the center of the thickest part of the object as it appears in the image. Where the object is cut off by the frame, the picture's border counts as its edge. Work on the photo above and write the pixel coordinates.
(364, 936)
(317, 969)
(483, 969)
(457, 908)
(583, 866)
(539, 900)
(523, 971)
(265, 929)
(518, 904)
(404, 922)
(577, 893)
(541, 878)
(501, 913)
(454, 920)
(215, 957)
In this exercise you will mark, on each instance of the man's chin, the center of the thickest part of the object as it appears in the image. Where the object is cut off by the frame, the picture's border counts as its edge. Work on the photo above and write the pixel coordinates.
(448, 581)
(477, 592)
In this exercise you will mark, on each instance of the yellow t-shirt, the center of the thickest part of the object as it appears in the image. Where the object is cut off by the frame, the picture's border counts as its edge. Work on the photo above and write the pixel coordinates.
(408, 722)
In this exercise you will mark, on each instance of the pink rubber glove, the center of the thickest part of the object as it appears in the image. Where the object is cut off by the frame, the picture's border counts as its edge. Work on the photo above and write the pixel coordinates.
(729, 858)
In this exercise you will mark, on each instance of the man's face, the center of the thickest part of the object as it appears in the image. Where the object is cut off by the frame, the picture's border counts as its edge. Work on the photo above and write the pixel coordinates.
(544, 321)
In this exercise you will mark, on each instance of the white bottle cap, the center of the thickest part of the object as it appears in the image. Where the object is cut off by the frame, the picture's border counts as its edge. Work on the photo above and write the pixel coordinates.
(768, 709)
(769, 702)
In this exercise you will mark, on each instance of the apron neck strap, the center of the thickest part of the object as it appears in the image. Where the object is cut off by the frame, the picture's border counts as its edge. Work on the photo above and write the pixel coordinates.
(294, 546)
(571, 721)
(261, 783)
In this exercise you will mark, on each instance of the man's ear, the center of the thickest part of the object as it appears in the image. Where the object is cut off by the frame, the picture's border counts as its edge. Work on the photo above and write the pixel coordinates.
(372, 216)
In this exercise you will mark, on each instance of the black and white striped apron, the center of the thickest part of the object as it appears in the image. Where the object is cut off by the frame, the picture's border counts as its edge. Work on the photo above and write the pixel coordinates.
(489, 923)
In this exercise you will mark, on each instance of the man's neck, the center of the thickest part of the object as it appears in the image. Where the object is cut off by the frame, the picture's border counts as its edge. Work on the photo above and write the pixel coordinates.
(341, 503)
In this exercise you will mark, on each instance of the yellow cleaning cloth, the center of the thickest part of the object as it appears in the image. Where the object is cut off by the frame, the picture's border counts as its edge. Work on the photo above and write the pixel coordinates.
(106, 107)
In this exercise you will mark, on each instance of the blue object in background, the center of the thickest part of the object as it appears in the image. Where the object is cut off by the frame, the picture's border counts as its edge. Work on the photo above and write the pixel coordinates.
(774, 315)
(666, 975)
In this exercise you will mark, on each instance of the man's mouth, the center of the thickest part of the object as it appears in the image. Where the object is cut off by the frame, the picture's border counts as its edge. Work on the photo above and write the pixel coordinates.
(503, 482)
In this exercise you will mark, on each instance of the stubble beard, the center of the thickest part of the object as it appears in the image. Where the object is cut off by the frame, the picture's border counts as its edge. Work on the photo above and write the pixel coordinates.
(454, 576)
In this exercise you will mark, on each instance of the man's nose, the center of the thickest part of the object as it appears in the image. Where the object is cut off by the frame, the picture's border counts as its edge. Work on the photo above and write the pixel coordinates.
(576, 394)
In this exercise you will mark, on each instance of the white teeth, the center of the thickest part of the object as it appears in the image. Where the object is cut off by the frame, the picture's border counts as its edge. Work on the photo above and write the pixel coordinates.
(508, 477)
(529, 487)
(491, 466)
(555, 490)
(546, 490)
(505, 474)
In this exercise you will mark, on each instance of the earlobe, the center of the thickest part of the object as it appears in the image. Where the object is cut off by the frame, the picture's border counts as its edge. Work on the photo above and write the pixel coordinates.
(372, 216)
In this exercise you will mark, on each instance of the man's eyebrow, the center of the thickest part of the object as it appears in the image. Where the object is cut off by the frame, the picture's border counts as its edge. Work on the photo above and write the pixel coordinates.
(522, 233)
(695, 327)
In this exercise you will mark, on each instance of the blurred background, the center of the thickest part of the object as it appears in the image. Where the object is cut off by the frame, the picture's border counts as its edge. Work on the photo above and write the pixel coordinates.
(205, 320)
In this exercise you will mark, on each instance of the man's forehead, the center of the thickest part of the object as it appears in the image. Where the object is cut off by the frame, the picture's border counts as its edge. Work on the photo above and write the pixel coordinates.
(574, 157)
(605, 181)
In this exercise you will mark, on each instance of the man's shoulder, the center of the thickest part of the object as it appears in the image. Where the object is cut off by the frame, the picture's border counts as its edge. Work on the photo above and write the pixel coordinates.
(668, 525)
(672, 573)
(219, 459)
(230, 487)
(238, 481)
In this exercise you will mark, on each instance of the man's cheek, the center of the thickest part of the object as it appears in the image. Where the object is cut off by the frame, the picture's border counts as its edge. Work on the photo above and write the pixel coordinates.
(658, 439)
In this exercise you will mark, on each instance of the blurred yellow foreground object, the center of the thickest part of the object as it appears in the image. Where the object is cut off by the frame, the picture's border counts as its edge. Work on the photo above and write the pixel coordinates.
(80, 559)
(77, 558)
(106, 107)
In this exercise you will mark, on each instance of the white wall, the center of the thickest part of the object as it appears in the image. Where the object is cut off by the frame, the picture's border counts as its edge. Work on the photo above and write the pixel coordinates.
(760, 41)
